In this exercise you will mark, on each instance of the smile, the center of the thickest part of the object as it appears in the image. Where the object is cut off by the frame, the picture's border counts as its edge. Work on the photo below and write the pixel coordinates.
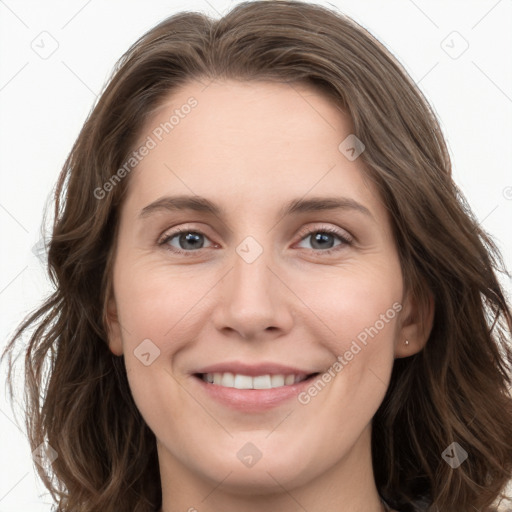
(240, 381)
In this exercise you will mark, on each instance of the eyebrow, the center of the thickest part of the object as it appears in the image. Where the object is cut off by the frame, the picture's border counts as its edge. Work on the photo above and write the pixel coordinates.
(295, 206)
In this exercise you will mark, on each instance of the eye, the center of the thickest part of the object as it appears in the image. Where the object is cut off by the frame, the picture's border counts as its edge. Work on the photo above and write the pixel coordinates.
(189, 241)
(184, 241)
(323, 239)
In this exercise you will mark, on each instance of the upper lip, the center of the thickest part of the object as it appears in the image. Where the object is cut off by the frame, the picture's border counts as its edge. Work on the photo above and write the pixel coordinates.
(265, 368)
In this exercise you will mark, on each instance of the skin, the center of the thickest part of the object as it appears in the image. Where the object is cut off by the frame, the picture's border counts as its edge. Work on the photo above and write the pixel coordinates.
(250, 147)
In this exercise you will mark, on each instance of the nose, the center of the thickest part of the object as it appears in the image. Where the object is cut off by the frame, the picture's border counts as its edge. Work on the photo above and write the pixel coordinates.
(253, 301)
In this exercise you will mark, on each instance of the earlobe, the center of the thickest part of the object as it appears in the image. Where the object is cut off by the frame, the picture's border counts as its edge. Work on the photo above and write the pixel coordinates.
(416, 325)
(113, 327)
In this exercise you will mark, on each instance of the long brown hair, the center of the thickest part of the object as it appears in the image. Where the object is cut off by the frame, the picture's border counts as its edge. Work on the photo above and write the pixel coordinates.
(457, 389)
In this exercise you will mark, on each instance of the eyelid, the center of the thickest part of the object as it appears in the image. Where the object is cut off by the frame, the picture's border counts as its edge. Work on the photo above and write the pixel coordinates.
(172, 232)
(343, 234)
(345, 237)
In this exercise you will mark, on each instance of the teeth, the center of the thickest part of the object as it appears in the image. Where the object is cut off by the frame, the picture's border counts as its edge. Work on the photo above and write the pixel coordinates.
(226, 379)
(243, 382)
(276, 381)
(262, 382)
(289, 379)
(238, 381)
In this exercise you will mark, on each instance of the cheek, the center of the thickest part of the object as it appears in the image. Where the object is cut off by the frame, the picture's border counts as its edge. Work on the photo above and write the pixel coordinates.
(337, 305)
(354, 304)
(153, 300)
(161, 312)
(357, 315)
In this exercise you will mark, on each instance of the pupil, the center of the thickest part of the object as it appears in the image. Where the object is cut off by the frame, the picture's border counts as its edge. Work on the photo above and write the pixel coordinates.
(187, 241)
(321, 237)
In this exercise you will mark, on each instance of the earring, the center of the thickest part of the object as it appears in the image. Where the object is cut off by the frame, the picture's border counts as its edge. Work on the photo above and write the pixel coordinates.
(407, 342)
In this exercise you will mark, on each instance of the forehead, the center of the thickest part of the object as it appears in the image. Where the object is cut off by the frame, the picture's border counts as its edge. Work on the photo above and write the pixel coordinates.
(247, 142)
(221, 117)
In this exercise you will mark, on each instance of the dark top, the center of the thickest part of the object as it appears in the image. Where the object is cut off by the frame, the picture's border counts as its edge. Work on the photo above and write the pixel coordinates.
(420, 505)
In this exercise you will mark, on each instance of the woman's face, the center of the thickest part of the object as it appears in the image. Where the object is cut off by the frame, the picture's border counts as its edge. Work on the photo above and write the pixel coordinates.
(285, 268)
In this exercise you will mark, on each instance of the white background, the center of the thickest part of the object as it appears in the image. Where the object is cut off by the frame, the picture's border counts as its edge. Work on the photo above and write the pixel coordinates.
(44, 102)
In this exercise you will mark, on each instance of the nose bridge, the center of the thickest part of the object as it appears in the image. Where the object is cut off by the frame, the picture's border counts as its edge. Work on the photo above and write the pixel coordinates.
(251, 300)
(251, 276)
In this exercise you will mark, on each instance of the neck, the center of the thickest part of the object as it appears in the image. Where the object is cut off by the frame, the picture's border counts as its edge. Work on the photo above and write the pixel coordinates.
(348, 485)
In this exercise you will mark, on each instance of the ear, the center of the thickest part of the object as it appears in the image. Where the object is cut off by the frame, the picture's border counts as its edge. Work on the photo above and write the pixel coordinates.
(416, 321)
(113, 327)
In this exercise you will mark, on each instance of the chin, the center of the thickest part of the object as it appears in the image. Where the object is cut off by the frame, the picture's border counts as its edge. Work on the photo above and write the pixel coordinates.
(268, 474)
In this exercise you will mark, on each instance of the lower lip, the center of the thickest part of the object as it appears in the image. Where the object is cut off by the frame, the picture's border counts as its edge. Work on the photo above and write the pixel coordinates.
(253, 400)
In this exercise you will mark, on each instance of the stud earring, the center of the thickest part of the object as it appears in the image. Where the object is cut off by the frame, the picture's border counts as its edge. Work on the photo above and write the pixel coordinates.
(407, 342)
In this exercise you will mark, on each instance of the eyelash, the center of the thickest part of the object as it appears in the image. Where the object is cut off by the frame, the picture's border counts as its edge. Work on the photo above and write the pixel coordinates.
(344, 239)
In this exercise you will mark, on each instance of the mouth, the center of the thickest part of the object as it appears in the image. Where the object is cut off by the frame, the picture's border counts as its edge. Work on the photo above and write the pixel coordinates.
(256, 382)
(253, 387)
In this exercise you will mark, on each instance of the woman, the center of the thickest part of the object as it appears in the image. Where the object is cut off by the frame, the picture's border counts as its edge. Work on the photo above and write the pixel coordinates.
(270, 294)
